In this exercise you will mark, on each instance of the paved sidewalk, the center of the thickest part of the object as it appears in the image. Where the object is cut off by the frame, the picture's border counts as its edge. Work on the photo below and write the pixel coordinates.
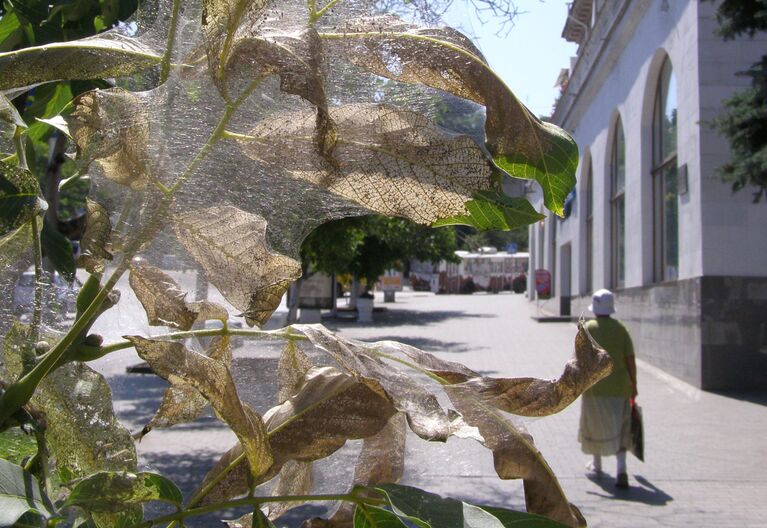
(706, 457)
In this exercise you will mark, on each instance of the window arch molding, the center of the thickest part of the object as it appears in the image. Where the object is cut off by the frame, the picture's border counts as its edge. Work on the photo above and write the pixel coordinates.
(662, 145)
(651, 242)
(615, 187)
(586, 214)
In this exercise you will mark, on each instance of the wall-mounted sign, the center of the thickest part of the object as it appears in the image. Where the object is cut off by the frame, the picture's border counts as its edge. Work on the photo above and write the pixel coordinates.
(543, 283)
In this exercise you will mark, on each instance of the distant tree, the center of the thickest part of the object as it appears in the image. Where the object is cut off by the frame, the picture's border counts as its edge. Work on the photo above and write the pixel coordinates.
(744, 120)
(470, 239)
(366, 247)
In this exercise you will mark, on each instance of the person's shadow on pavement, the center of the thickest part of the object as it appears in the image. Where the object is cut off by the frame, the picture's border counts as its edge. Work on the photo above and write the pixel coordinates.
(645, 492)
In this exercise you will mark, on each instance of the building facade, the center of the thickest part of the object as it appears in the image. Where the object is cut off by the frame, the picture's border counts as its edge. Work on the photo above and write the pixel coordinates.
(650, 219)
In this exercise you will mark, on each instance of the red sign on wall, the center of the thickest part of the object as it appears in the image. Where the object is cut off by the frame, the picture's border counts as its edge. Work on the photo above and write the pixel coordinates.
(543, 283)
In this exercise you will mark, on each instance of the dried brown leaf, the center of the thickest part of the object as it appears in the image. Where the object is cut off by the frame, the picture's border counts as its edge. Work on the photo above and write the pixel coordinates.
(296, 57)
(537, 397)
(182, 402)
(335, 407)
(391, 161)
(231, 246)
(382, 459)
(522, 396)
(220, 21)
(515, 456)
(291, 370)
(164, 302)
(445, 59)
(111, 127)
(331, 408)
(295, 478)
(246, 42)
(94, 244)
(174, 362)
(425, 415)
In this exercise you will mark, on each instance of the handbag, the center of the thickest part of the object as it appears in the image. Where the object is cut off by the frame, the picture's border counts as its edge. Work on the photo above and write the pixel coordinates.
(637, 431)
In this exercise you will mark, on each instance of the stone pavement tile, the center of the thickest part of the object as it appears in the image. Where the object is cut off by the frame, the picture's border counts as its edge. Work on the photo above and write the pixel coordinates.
(706, 460)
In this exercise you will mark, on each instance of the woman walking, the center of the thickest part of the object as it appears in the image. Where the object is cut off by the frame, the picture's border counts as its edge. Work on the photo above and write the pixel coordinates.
(605, 427)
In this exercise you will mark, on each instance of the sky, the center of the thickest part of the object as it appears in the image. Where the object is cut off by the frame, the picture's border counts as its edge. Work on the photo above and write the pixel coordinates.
(530, 57)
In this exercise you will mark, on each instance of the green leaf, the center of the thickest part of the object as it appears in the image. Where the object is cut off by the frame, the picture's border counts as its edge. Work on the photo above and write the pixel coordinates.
(10, 27)
(9, 114)
(554, 169)
(53, 101)
(521, 519)
(20, 493)
(493, 210)
(18, 197)
(56, 122)
(113, 491)
(58, 249)
(427, 510)
(374, 517)
(105, 55)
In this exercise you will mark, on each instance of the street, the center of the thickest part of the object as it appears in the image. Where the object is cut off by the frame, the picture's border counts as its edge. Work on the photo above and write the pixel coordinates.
(706, 461)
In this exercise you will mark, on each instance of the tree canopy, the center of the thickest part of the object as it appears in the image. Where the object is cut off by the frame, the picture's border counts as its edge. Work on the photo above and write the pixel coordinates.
(744, 120)
(367, 246)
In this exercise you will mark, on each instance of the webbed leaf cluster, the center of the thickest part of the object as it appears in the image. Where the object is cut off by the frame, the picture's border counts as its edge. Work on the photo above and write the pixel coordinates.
(232, 129)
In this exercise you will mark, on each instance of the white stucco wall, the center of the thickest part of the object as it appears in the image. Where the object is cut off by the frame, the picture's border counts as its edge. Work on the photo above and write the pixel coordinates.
(719, 233)
(734, 241)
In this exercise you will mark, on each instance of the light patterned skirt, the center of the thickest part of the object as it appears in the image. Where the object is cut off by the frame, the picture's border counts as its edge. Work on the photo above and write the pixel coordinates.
(605, 426)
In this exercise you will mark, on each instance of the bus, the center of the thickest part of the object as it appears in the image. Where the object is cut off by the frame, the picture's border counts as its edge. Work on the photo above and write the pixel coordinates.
(484, 270)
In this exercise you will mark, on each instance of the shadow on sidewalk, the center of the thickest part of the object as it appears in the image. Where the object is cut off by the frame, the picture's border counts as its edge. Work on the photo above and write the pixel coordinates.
(759, 398)
(646, 492)
(396, 317)
(426, 344)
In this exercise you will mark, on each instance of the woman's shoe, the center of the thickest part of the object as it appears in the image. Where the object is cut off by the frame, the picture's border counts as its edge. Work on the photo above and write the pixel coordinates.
(593, 471)
(622, 482)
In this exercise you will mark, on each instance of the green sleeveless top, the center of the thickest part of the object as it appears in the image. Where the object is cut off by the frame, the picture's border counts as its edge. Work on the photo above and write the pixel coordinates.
(613, 336)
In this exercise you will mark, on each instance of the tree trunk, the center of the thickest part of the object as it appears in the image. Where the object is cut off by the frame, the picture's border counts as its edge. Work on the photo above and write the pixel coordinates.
(57, 146)
(355, 292)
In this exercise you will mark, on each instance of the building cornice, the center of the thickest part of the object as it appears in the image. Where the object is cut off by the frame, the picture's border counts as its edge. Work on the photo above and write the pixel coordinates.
(578, 21)
(615, 23)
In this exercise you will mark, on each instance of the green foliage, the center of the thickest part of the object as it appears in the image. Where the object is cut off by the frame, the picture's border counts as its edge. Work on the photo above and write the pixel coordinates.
(15, 445)
(738, 17)
(20, 494)
(744, 120)
(493, 210)
(427, 510)
(367, 246)
(18, 197)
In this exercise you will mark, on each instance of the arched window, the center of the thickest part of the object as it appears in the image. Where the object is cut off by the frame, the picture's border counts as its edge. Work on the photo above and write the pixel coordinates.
(589, 231)
(665, 192)
(618, 206)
